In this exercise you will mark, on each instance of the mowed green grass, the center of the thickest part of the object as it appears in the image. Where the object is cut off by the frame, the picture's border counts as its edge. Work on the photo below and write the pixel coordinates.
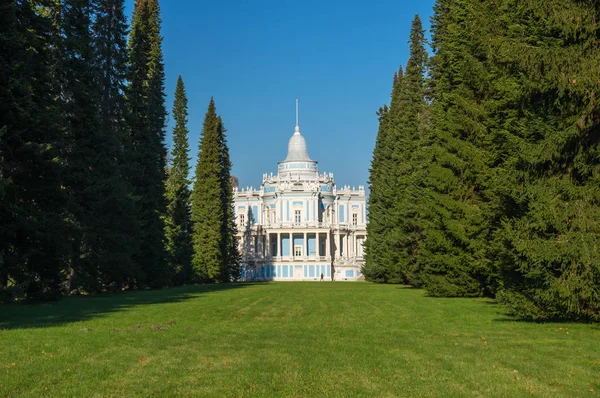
(290, 339)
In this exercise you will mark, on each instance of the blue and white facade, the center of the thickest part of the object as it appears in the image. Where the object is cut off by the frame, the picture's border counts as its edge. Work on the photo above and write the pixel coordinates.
(299, 225)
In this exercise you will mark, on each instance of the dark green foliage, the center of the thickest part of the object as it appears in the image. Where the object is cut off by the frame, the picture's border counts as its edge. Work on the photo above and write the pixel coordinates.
(178, 222)
(379, 256)
(93, 112)
(215, 253)
(33, 244)
(232, 259)
(548, 181)
(146, 151)
(207, 209)
(84, 169)
(453, 251)
(495, 180)
(410, 120)
(392, 248)
(68, 219)
(7, 41)
(115, 209)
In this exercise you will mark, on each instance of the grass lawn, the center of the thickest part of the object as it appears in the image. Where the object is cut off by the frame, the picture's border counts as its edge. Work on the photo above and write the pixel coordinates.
(290, 339)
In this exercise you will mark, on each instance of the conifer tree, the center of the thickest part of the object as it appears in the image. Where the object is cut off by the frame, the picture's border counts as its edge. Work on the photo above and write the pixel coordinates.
(231, 255)
(378, 258)
(453, 259)
(208, 213)
(8, 30)
(32, 243)
(146, 150)
(392, 245)
(87, 149)
(546, 185)
(409, 122)
(178, 221)
(116, 211)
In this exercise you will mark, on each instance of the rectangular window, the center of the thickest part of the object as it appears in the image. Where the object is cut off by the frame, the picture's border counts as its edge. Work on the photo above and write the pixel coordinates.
(298, 251)
(242, 221)
(285, 271)
(297, 217)
(354, 219)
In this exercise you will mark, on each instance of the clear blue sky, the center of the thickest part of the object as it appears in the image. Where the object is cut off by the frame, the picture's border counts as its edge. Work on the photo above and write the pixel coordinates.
(256, 57)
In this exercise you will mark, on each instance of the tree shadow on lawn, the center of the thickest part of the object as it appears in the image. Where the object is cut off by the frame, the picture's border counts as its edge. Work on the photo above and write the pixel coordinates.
(76, 309)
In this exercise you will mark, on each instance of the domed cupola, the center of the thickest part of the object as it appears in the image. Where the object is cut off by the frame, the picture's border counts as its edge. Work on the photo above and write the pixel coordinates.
(298, 165)
(297, 151)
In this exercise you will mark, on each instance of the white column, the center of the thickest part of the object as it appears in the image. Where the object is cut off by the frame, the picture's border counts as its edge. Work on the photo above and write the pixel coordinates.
(305, 245)
(346, 245)
(338, 253)
(268, 245)
(327, 245)
(346, 212)
(318, 244)
(354, 248)
(279, 244)
(291, 244)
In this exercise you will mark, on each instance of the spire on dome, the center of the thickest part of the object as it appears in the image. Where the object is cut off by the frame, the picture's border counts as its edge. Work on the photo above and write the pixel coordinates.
(297, 145)
(297, 129)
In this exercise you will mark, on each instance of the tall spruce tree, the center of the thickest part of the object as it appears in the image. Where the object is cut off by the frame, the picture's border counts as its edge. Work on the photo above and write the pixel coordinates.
(178, 221)
(117, 228)
(208, 213)
(378, 258)
(8, 31)
(392, 246)
(546, 186)
(231, 255)
(409, 122)
(85, 148)
(453, 259)
(146, 150)
(32, 245)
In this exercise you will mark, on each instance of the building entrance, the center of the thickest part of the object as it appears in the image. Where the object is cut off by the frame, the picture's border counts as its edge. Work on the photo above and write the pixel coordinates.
(298, 272)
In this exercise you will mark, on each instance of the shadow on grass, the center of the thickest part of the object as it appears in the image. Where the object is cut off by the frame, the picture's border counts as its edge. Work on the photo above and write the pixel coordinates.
(75, 309)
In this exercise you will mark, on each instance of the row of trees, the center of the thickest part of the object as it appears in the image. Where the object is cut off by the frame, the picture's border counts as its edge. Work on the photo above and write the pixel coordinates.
(485, 177)
(87, 200)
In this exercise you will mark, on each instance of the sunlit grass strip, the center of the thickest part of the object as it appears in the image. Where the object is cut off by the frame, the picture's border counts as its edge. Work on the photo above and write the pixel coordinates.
(286, 339)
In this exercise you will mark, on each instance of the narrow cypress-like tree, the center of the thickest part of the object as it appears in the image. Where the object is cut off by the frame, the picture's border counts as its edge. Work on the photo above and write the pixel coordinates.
(208, 213)
(146, 150)
(378, 257)
(409, 122)
(393, 228)
(178, 221)
(231, 255)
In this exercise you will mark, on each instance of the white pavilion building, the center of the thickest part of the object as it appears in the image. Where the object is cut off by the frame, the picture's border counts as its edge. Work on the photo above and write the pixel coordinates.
(298, 225)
